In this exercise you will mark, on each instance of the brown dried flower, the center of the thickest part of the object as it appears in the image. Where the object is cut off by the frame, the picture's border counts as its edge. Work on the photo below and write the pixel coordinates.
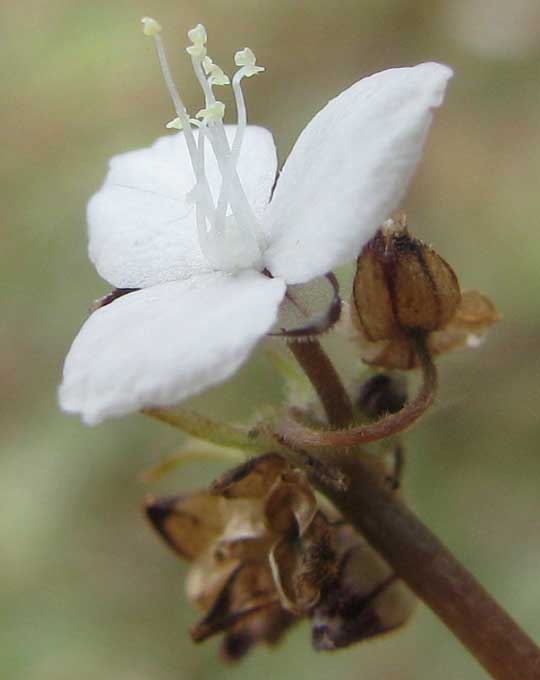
(263, 554)
(261, 551)
(403, 286)
(365, 600)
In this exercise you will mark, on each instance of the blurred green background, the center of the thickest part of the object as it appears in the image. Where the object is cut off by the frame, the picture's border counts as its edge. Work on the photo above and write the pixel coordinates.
(86, 589)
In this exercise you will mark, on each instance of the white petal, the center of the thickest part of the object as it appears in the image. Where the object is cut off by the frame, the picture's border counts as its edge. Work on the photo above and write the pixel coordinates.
(142, 231)
(157, 346)
(349, 170)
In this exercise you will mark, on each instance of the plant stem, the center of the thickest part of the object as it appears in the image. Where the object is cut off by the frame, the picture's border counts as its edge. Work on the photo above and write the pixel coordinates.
(300, 436)
(325, 380)
(435, 575)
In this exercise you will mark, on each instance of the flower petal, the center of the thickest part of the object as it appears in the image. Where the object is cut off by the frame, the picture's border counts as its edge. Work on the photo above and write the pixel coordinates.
(157, 346)
(142, 230)
(349, 170)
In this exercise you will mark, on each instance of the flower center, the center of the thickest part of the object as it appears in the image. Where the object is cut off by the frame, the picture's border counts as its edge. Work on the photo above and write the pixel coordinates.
(230, 236)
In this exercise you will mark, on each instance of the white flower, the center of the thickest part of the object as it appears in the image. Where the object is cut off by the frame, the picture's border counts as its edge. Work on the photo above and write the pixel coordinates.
(189, 221)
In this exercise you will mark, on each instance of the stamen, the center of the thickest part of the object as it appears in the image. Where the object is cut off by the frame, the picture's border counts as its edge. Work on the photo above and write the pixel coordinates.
(202, 218)
(247, 61)
(232, 191)
(230, 239)
(152, 28)
(242, 116)
(235, 151)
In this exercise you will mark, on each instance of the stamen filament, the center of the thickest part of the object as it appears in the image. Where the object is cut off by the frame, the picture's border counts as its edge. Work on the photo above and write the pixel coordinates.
(237, 144)
(229, 233)
(204, 217)
(231, 191)
(176, 99)
(241, 113)
(205, 203)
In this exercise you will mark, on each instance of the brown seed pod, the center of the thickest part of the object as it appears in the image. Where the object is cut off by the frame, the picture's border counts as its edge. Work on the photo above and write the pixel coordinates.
(401, 285)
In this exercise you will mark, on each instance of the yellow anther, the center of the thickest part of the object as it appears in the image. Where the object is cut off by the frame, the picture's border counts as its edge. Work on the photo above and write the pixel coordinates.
(245, 57)
(198, 35)
(174, 124)
(247, 61)
(213, 112)
(150, 26)
(217, 76)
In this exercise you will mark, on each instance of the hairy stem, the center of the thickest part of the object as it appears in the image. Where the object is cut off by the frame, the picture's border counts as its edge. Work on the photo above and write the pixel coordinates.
(325, 380)
(435, 575)
(300, 436)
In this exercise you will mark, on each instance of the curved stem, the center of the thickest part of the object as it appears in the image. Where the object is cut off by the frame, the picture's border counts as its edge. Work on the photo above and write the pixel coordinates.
(435, 575)
(300, 436)
(325, 380)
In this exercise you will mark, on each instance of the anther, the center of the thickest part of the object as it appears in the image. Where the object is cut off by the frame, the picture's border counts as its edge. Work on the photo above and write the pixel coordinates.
(198, 37)
(150, 26)
(214, 112)
(247, 60)
(176, 124)
(217, 76)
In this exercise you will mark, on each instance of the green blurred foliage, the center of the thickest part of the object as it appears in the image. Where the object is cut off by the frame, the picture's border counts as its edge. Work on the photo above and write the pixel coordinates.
(87, 590)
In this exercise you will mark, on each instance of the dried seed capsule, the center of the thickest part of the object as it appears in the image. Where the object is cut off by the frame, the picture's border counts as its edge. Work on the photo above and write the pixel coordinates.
(401, 285)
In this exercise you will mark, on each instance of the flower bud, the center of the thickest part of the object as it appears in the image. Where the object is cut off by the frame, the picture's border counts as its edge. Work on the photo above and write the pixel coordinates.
(401, 285)
(382, 394)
